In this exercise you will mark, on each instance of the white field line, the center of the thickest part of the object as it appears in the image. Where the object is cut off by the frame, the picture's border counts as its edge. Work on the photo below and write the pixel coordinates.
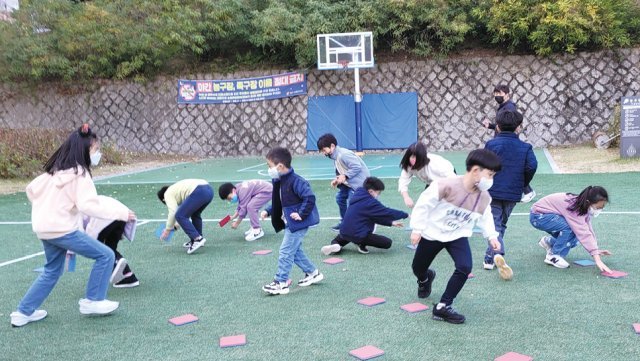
(21, 259)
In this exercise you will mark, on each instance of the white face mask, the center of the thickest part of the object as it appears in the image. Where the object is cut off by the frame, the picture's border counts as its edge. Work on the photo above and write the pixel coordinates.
(95, 158)
(273, 172)
(593, 212)
(484, 184)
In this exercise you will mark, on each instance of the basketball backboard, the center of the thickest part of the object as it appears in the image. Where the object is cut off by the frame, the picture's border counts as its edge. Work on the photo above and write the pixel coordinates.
(345, 50)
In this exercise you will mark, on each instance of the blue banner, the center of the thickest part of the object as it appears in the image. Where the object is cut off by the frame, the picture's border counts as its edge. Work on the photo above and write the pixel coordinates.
(241, 90)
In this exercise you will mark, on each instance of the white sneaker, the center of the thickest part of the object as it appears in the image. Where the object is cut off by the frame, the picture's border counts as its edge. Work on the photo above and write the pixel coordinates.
(104, 307)
(248, 232)
(506, 273)
(118, 271)
(488, 266)
(195, 245)
(311, 278)
(528, 197)
(556, 261)
(544, 243)
(276, 288)
(20, 319)
(332, 248)
(254, 235)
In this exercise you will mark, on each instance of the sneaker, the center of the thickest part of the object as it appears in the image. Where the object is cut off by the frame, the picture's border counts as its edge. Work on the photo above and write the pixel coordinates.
(332, 248)
(447, 314)
(336, 228)
(544, 243)
(311, 278)
(488, 265)
(528, 197)
(506, 273)
(556, 261)
(187, 244)
(104, 307)
(248, 232)
(117, 274)
(276, 288)
(362, 249)
(128, 282)
(19, 319)
(195, 245)
(424, 288)
(253, 235)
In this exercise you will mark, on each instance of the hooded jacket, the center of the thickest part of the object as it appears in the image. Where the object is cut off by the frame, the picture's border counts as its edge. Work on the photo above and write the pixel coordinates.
(364, 213)
(59, 200)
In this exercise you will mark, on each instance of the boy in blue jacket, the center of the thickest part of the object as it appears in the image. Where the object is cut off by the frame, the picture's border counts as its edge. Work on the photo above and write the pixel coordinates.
(364, 212)
(293, 208)
(519, 165)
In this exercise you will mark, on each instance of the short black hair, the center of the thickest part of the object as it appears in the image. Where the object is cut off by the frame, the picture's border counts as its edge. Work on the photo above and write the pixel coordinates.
(502, 88)
(280, 155)
(483, 158)
(420, 151)
(373, 183)
(161, 193)
(508, 121)
(326, 140)
(225, 189)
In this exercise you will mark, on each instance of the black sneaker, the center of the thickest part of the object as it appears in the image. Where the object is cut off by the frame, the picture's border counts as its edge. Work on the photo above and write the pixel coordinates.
(336, 228)
(424, 288)
(448, 314)
(362, 249)
(131, 281)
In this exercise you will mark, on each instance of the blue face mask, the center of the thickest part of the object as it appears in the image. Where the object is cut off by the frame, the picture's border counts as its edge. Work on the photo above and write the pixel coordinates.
(234, 199)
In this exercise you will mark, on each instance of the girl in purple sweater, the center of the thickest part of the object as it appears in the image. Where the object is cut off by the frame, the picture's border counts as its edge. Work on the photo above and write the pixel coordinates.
(250, 196)
(567, 218)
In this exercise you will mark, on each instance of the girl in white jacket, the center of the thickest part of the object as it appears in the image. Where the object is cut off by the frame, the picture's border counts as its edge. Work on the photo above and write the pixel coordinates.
(59, 197)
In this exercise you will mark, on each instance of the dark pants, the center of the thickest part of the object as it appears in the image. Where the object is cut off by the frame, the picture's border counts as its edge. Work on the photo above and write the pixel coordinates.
(111, 236)
(459, 251)
(342, 199)
(373, 240)
(501, 211)
(189, 212)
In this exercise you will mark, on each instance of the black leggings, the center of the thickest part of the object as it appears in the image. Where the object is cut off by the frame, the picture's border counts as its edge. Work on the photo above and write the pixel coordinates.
(111, 235)
(459, 250)
(373, 240)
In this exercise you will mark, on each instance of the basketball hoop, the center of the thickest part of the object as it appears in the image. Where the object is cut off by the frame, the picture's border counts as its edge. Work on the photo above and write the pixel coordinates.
(344, 64)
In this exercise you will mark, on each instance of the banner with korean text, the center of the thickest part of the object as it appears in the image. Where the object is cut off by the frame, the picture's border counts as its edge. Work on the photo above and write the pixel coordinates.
(241, 90)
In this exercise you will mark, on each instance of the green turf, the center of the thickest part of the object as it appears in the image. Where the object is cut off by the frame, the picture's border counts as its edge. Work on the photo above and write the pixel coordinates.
(544, 312)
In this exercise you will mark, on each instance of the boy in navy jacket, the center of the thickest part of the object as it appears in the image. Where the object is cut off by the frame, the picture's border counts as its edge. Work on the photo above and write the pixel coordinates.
(519, 164)
(364, 212)
(293, 208)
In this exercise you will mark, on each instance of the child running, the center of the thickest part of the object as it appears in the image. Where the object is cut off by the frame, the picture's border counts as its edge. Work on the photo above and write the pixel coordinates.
(567, 218)
(364, 212)
(294, 210)
(444, 217)
(250, 196)
(59, 197)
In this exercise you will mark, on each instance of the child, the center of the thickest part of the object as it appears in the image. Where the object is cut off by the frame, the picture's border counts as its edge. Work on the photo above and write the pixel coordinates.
(415, 162)
(58, 198)
(110, 232)
(444, 217)
(567, 218)
(519, 165)
(364, 212)
(186, 200)
(350, 172)
(250, 196)
(294, 210)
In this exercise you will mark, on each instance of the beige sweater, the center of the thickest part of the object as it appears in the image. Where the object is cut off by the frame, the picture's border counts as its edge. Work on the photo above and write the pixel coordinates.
(59, 200)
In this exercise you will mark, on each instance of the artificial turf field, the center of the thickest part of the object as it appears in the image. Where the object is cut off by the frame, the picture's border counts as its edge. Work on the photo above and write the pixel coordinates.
(547, 313)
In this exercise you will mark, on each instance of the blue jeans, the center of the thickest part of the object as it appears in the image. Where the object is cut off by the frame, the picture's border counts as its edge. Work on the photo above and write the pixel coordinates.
(55, 251)
(562, 237)
(342, 198)
(291, 252)
(189, 212)
(501, 210)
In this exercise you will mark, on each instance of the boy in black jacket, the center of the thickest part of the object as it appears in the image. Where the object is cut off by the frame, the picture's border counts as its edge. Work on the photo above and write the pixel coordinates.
(364, 212)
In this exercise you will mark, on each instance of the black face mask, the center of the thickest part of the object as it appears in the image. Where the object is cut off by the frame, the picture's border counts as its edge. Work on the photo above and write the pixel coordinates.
(328, 156)
(499, 99)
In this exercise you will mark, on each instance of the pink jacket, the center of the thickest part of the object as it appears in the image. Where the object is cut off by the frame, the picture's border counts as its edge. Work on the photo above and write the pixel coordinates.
(557, 203)
(59, 200)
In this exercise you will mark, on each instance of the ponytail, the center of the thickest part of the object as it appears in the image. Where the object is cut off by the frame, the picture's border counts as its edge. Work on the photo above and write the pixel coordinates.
(588, 196)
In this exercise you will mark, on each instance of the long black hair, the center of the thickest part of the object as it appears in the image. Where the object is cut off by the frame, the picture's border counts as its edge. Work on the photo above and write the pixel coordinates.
(420, 151)
(588, 196)
(74, 152)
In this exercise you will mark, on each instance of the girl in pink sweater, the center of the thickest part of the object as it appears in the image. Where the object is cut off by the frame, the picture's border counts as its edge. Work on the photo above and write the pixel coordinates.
(59, 198)
(567, 218)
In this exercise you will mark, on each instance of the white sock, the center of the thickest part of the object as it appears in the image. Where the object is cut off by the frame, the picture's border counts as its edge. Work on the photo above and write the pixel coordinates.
(440, 305)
